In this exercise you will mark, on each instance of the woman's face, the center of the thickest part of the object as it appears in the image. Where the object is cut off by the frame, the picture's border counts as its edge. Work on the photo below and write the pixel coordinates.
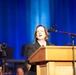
(40, 35)
(20, 71)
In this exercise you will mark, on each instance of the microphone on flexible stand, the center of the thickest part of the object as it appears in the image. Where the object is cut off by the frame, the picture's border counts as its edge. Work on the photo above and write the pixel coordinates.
(72, 36)
(52, 28)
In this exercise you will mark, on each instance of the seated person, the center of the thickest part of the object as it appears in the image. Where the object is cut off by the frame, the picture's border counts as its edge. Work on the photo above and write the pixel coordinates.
(0, 70)
(21, 70)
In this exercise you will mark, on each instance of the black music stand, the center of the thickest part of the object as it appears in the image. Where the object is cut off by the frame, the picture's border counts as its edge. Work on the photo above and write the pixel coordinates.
(5, 53)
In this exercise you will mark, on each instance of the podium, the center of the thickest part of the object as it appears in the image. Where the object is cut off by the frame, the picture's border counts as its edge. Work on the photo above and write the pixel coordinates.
(53, 60)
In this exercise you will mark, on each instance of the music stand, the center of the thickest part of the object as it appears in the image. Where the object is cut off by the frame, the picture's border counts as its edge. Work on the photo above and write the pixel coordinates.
(5, 53)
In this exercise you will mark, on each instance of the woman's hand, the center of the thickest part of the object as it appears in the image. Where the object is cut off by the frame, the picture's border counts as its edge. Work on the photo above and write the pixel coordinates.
(28, 66)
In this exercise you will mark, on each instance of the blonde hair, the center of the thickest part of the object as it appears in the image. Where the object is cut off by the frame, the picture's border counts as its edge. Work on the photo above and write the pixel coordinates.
(46, 32)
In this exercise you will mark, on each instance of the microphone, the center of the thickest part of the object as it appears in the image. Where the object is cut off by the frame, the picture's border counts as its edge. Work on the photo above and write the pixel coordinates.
(52, 28)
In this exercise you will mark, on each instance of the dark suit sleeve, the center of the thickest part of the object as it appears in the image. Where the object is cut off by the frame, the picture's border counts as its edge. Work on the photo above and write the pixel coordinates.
(30, 50)
(24, 50)
(27, 50)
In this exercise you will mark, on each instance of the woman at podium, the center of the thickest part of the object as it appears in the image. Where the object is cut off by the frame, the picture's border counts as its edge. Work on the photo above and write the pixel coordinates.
(41, 36)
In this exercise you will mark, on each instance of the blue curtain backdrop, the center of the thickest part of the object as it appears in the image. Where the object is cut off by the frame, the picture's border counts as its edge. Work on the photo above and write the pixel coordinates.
(19, 18)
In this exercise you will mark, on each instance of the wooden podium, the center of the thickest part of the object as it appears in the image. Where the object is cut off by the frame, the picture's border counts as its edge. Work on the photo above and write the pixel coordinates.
(53, 60)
